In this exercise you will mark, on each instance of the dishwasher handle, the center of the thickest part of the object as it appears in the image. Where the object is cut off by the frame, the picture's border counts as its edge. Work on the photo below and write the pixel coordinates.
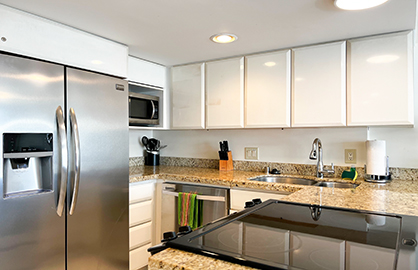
(199, 197)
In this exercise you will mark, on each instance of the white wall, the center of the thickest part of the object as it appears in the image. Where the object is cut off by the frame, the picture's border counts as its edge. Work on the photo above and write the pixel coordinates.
(276, 145)
(135, 148)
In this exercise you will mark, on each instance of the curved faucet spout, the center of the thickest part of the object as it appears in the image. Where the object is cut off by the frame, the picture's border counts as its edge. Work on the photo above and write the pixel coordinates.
(316, 154)
(315, 145)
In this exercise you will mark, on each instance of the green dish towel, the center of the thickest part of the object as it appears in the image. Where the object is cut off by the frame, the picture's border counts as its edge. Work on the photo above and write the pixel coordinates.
(189, 210)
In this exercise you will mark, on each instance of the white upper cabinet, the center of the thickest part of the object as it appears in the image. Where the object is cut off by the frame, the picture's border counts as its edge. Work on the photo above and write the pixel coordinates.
(144, 72)
(319, 85)
(225, 93)
(26, 34)
(380, 80)
(267, 92)
(188, 96)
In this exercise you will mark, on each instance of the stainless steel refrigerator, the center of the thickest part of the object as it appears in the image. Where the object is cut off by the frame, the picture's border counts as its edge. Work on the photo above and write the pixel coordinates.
(64, 170)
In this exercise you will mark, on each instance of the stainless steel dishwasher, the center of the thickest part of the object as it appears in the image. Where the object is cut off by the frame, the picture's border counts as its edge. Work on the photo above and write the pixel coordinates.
(215, 203)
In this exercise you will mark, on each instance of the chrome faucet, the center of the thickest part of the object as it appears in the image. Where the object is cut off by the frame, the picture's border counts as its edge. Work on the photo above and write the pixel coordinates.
(316, 153)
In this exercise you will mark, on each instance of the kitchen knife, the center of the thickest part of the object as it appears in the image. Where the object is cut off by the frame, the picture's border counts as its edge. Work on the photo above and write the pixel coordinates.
(226, 146)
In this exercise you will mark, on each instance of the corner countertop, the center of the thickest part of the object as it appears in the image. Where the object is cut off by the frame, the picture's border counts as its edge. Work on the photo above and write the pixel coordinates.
(400, 197)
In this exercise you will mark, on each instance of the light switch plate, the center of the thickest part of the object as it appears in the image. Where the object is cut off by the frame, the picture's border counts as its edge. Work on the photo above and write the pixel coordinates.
(350, 156)
(251, 153)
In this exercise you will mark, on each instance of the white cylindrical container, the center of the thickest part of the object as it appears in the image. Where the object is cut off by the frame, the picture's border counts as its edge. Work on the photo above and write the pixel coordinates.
(376, 161)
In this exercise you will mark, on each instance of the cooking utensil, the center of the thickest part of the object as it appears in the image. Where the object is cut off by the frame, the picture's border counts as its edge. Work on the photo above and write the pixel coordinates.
(144, 140)
(153, 144)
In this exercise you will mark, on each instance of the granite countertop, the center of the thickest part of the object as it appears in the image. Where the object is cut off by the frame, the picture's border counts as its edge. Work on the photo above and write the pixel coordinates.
(178, 259)
(398, 197)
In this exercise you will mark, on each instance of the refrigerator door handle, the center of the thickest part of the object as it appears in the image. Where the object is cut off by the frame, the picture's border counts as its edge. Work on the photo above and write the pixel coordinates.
(76, 139)
(62, 135)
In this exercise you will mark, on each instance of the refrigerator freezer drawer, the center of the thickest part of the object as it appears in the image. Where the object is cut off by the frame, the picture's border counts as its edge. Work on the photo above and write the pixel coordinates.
(138, 258)
(139, 235)
(139, 192)
(140, 213)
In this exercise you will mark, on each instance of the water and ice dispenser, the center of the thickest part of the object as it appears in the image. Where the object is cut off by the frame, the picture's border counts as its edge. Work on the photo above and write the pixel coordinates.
(27, 163)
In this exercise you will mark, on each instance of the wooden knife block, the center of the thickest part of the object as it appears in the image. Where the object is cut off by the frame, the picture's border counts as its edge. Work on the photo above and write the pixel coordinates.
(226, 165)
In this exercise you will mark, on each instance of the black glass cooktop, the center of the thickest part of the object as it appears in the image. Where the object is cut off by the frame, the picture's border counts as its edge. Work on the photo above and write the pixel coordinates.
(281, 235)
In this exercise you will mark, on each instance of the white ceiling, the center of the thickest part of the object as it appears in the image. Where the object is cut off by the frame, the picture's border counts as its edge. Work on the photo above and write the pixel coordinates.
(174, 32)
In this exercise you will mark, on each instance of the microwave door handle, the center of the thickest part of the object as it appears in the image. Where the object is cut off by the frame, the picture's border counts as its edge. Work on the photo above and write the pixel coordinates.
(153, 109)
(62, 135)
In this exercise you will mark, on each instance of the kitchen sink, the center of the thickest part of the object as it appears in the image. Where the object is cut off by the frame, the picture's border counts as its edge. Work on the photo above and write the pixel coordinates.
(285, 180)
(336, 185)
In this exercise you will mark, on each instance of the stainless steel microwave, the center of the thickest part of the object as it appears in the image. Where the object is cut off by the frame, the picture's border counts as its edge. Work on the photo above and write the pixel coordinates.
(143, 109)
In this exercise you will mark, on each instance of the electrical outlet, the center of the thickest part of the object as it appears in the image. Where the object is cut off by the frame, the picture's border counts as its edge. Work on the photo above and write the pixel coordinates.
(251, 153)
(350, 156)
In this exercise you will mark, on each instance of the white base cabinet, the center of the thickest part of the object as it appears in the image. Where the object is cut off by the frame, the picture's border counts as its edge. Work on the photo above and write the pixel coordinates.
(316, 252)
(380, 80)
(240, 196)
(141, 222)
(360, 256)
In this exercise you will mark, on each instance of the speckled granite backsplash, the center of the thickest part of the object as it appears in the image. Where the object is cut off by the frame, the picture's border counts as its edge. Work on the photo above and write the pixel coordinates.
(260, 166)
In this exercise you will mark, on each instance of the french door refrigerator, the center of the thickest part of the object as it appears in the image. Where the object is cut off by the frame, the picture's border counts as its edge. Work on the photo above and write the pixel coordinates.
(64, 168)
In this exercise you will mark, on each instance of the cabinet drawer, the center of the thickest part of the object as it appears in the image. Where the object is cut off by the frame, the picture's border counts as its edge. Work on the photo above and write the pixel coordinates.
(138, 258)
(140, 213)
(140, 235)
(141, 191)
(239, 197)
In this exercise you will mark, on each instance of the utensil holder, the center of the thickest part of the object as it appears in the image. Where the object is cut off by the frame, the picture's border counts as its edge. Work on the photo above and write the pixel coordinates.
(152, 158)
(226, 165)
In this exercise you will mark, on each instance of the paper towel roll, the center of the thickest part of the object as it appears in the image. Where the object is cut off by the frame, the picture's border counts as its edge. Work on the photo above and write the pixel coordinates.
(376, 157)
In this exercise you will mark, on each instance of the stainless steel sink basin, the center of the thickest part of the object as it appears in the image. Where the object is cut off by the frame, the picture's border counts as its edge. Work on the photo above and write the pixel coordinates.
(336, 185)
(285, 180)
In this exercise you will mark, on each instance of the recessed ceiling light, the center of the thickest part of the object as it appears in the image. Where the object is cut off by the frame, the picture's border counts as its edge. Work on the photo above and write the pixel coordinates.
(358, 4)
(223, 38)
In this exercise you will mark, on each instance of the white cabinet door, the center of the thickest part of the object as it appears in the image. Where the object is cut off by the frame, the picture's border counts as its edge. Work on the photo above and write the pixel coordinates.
(140, 213)
(140, 235)
(141, 191)
(30, 35)
(316, 252)
(380, 80)
(225, 93)
(267, 92)
(188, 96)
(360, 256)
(319, 85)
(138, 258)
(145, 72)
